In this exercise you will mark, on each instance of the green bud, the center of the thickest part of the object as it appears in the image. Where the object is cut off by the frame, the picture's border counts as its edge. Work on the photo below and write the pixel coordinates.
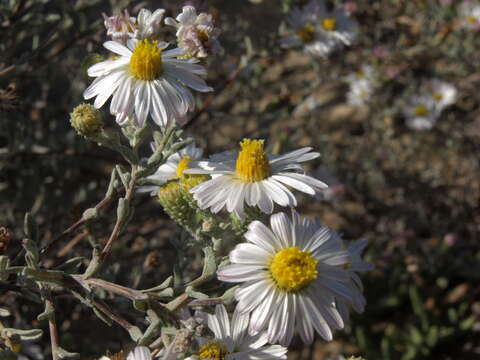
(86, 120)
(177, 201)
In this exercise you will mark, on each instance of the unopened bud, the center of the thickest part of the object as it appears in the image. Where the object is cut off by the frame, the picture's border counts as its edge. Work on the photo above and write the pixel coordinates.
(86, 120)
(178, 202)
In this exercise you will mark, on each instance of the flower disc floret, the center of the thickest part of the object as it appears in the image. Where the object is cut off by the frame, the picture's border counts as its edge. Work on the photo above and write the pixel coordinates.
(183, 165)
(213, 351)
(293, 269)
(329, 23)
(421, 110)
(252, 162)
(307, 33)
(146, 60)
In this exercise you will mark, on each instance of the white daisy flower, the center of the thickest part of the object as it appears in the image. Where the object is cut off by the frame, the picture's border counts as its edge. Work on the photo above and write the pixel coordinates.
(144, 79)
(360, 92)
(253, 177)
(232, 340)
(196, 34)
(320, 31)
(421, 112)
(174, 167)
(291, 275)
(362, 85)
(366, 73)
(120, 27)
(469, 12)
(444, 93)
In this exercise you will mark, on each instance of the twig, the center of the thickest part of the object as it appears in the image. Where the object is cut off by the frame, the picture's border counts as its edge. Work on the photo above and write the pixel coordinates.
(115, 317)
(52, 325)
(103, 203)
(71, 244)
(114, 288)
(119, 223)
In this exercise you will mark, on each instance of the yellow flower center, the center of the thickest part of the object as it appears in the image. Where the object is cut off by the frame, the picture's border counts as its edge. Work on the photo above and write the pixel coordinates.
(146, 60)
(293, 269)
(360, 74)
(202, 36)
(252, 162)
(213, 351)
(472, 19)
(421, 110)
(438, 96)
(307, 33)
(329, 24)
(183, 165)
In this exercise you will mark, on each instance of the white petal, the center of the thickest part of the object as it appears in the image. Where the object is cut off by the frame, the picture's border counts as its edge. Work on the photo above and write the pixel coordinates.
(317, 319)
(117, 48)
(295, 183)
(140, 353)
(249, 254)
(251, 294)
(240, 273)
(282, 228)
(239, 326)
(187, 78)
(262, 236)
(264, 203)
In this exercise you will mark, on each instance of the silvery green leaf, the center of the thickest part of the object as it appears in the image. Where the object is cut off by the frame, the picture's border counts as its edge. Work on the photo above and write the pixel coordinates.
(229, 295)
(163, 285)
(135, 333)
(31, 253)
(195, 294)
(71, 264)
(91, 213)
(64, 354)
(124, 176)
(140, 305)
(165, 293)
(48, 313)
(112, 184)
(30, 227)
(32, 334)
(102, 316)
(209, 265)
(4, 265)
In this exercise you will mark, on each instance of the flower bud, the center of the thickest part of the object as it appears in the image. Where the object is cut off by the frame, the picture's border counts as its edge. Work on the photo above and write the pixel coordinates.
(177, 201)
(86, 120)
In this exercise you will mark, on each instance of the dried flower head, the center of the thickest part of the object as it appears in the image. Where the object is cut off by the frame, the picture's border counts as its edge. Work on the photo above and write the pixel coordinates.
(120, 27)
(196, 34)
(8, 98)
(5, 236)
